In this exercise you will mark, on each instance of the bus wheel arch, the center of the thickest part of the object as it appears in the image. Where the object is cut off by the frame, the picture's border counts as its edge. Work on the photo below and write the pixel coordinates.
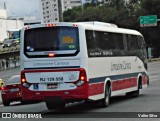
(139, 86)
(107, 83)
(107, 94)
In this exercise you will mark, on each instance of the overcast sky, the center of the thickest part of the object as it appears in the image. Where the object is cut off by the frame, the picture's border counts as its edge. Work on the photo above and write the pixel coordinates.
(22, 7)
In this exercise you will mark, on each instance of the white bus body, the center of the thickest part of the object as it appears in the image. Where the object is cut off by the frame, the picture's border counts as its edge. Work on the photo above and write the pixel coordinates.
(83, 65)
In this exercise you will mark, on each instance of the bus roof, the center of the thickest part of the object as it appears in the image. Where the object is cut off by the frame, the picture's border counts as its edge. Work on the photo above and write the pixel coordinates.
(108, 28)
(100, 23)
(91, 25)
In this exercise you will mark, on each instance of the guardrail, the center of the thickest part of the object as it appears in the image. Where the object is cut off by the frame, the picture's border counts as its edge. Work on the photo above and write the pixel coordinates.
(153, 59)
(9, 52)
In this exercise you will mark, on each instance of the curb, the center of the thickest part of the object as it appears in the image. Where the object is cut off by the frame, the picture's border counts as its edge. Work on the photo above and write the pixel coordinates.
(9, 68)
(153, 59)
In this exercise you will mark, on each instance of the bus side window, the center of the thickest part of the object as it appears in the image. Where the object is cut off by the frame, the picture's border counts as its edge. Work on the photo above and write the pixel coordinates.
(141, 43)
(125, 42)
(105, 41)
(116, 41)
(98, 40)
(130, 42)
(90, 40)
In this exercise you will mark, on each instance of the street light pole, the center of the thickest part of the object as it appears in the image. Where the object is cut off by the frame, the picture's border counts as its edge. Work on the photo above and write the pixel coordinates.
(60, 11)
(82, 8)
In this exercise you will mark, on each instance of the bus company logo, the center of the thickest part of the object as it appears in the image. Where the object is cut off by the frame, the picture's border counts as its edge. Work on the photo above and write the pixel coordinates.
(6, 115)
(48, 64)
(120, 66)
(43, 64)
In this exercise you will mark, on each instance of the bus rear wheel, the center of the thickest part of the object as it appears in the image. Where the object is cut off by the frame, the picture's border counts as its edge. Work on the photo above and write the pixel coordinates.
(106, 100)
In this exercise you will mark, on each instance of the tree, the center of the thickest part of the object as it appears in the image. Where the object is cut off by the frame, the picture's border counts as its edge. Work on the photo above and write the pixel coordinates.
(151, 34)
(72, 14)
(124, 14)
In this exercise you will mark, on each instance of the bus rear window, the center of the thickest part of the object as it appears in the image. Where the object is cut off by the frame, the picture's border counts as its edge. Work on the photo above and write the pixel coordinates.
(62, 41)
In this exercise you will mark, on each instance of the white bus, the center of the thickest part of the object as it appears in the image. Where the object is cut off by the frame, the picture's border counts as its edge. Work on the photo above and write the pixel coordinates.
(91, 61)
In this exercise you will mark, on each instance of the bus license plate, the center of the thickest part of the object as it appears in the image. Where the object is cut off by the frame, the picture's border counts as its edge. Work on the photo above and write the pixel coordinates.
(52, 86)
(51, 79)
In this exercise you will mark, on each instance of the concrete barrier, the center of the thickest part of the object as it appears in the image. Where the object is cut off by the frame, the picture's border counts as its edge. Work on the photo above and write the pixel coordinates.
(153, 59)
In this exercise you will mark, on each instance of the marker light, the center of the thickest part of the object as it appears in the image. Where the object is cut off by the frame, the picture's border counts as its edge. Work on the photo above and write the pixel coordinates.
(23, 80)
(82, 77)
(75, 25)
(51, 54)
(27, 27)
(50, 25)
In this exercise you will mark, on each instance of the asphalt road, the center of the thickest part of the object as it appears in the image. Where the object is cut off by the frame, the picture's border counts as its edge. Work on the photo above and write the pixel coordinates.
(8, 73)
(148, 101)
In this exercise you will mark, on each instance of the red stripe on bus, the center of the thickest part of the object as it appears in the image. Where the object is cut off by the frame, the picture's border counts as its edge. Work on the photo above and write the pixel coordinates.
(124, 84)
(98, 88)
(144, 80)
(95, 89)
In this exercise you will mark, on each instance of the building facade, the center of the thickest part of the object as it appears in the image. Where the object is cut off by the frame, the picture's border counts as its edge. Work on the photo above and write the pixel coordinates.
(69, 4)
(3, 14)
(7, 24)
(50, 9)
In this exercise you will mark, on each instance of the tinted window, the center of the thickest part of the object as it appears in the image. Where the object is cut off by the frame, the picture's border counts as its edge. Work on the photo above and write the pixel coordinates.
(51, 39)
(116, 41)
(104, 43)
(141, 43)
(90, 40)
(133, 42)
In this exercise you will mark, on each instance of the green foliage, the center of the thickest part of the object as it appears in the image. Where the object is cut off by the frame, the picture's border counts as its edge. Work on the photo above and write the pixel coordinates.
(151, 34)
(124, 14)
(71, 15)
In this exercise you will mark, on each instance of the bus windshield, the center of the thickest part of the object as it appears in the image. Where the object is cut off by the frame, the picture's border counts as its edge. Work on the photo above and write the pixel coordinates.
(63, 41)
